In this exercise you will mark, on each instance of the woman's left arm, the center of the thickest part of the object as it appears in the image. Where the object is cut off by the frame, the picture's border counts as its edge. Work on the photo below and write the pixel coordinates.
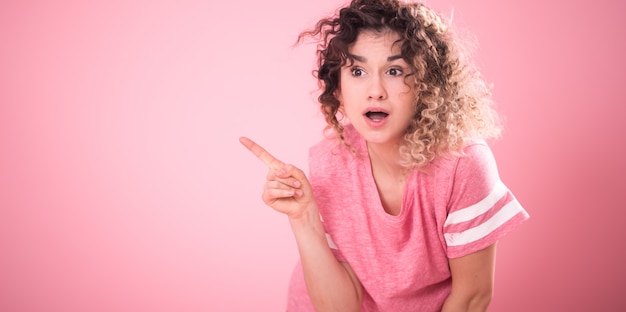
(472, 281)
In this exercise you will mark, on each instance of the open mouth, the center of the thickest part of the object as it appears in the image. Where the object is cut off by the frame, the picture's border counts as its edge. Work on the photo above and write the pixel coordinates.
(376, 116)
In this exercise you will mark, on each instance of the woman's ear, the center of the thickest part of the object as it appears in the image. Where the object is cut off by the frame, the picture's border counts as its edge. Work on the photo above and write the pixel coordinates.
(337, 95)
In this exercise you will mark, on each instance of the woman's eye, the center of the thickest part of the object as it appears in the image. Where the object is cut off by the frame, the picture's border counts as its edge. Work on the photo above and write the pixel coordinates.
(395, 72)
(356, 72)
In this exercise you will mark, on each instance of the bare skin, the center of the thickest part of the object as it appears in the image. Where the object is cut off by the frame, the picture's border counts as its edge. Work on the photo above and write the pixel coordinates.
(376, 81)
(472, 281)
(332, 285)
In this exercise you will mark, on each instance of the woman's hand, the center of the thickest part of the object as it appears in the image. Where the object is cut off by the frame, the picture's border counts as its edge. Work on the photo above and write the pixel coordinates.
(287, 189)
(331, 285)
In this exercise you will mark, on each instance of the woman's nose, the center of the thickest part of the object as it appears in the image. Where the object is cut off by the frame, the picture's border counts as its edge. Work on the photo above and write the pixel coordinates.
(376, 90)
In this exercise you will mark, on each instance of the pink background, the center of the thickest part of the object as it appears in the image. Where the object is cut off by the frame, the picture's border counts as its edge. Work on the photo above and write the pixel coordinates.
(123, 186)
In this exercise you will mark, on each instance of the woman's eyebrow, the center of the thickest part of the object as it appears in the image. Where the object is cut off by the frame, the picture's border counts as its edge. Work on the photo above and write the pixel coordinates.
(358, 58)
(363, 59)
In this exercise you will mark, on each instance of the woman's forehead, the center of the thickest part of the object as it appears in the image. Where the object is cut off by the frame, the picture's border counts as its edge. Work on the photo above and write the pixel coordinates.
(370, 39)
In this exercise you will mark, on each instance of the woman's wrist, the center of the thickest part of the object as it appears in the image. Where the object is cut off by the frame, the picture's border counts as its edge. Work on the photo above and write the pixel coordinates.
(308, 218)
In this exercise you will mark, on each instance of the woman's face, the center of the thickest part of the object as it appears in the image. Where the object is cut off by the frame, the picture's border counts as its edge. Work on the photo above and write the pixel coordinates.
(373, 91)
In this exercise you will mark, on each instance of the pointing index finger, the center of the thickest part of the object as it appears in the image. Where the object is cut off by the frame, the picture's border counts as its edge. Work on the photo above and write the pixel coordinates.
(261, 153)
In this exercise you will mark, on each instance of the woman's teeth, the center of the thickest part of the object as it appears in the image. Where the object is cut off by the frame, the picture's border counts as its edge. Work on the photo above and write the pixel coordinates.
(376, 116)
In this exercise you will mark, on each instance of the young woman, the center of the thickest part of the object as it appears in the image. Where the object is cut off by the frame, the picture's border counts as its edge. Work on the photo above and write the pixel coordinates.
(403, 205)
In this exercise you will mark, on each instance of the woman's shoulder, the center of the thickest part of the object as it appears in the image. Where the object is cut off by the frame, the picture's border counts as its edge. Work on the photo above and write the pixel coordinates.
(474, 151)
(332, 153)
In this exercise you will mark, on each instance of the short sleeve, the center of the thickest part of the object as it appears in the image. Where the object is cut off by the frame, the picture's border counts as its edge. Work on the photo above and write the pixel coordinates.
(481, 208)
(319, 161)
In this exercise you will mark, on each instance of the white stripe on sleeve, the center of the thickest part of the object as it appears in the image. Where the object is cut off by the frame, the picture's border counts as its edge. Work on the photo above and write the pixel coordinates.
(471, 235)
(479, 208)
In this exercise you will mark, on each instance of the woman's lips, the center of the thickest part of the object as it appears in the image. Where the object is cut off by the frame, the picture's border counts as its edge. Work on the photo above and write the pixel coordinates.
(375, 117)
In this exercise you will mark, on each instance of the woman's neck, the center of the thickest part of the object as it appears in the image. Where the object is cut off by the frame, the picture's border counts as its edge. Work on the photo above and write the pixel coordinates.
(386, 159)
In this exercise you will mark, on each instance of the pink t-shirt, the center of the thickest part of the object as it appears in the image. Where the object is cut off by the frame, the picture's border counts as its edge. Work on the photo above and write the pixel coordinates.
(457, 207)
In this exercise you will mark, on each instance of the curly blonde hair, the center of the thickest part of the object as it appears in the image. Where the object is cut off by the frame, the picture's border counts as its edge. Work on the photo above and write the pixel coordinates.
(454, 103)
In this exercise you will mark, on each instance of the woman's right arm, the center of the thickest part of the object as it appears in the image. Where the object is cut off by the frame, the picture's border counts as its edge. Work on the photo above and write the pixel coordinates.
(332, 285)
